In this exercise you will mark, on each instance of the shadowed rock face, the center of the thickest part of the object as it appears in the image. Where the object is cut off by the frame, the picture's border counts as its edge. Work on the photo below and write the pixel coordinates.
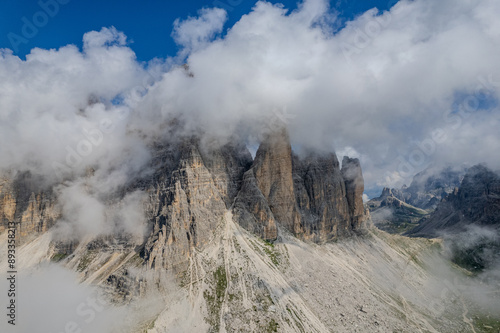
(309, 197)
(321, 197)
(354, 184)
(477, 202)
(427, 187)
(272, 177)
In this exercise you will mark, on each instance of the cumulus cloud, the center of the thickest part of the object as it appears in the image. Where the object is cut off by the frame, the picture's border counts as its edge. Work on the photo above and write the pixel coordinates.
(195, 32)
(56, 109)
(400, 88)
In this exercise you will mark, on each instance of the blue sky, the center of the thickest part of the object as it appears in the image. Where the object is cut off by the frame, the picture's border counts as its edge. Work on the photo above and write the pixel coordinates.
(147, 23)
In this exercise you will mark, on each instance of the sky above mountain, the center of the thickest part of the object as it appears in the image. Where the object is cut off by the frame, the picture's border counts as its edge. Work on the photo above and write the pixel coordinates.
(147, 24)
(399, 85)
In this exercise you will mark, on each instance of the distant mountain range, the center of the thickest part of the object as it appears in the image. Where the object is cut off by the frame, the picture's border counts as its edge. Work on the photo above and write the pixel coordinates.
(476, 201)
(462, 207)
(400, 210)
(469, 221)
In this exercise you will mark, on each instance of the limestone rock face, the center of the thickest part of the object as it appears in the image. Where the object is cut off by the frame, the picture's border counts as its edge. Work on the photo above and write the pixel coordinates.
(321, 197)
(267, 195)
(272, 169)
(354, 184)
(309, 196)
(25, 202)
(184, 209)
(428, 187)
(227, 165)
(475, 202)
(252, 211)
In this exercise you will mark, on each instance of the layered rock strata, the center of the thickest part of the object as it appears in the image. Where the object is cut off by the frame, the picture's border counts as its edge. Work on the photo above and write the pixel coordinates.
(309, 196)
(193, 185)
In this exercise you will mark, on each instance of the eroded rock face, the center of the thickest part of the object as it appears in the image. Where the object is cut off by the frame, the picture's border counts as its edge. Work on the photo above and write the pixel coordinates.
(354, 184)
(191, 187)
(227, 164)
(321, 197)
(475, 202)
(251, 209)
(308, 196)
(427, 187)
(184, 210)
(25, 202)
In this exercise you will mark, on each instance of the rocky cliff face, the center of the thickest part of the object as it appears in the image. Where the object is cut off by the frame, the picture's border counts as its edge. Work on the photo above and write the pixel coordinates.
(194, 184)
(227, 164)
(469, 221)
(184, 210)
(309, 196)
(477, 202)
(321, 197)
(390, 214)
(25, 202)
(400, 210)
(354, 183)
(428, 187)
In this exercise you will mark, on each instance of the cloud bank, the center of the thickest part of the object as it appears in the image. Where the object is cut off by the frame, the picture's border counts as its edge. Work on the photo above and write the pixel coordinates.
(401, 89)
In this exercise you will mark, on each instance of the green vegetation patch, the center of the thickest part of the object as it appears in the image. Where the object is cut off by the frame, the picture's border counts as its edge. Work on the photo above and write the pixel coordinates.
(58, 257)
(270, 250)
(272, 326)
(486, 324)
(214, 297)
(86, 260)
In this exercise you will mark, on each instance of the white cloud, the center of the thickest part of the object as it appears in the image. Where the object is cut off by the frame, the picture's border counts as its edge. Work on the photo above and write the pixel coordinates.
(195, 32)
(383, 86)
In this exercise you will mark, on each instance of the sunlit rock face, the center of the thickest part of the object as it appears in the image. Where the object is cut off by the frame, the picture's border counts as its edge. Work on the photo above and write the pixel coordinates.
(184, 210)
(193, 184)
(309, 196)
(267, 196)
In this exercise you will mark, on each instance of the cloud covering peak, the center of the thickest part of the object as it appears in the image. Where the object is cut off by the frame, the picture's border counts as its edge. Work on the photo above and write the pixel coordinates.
(400, 89)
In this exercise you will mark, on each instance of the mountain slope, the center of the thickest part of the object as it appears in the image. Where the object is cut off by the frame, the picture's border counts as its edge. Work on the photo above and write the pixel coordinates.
(240, 283)
(278, 244)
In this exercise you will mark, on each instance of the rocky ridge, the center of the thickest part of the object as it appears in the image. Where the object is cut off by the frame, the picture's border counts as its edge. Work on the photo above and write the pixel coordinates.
(193, 184)
(393, 215)
(231, 246)
(428, 187)
(309, 196)
(476, 201)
